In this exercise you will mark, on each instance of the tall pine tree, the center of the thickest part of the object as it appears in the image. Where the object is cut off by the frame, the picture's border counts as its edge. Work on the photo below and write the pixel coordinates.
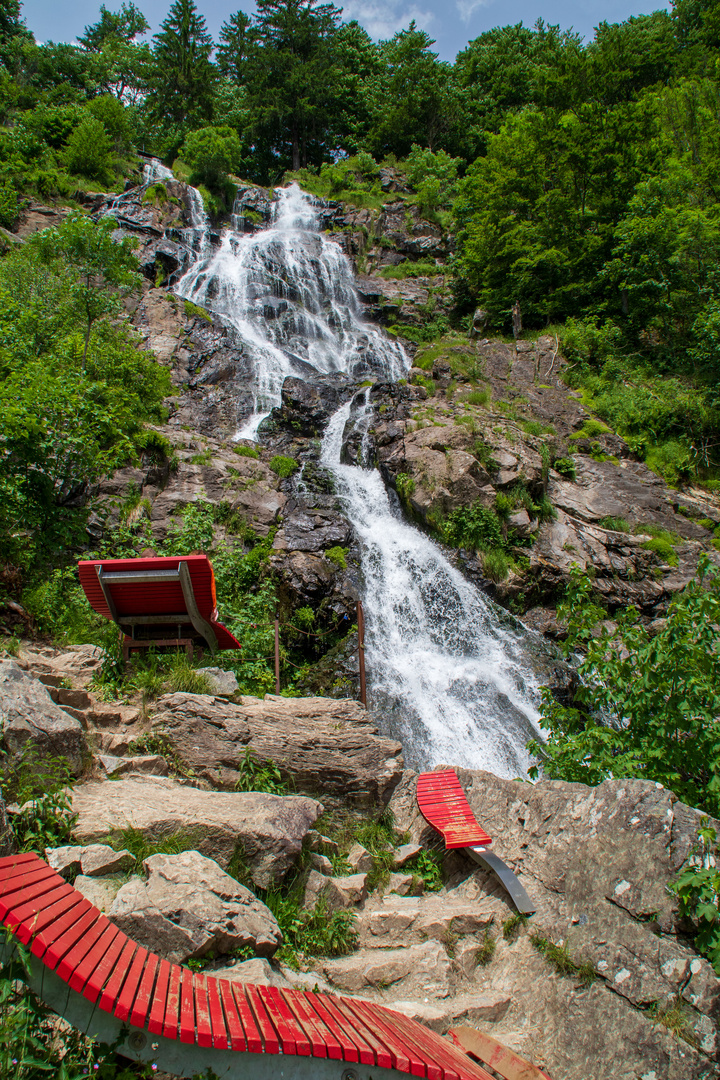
(183, 76)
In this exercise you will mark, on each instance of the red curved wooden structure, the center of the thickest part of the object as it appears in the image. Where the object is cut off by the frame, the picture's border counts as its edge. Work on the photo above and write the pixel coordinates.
(444, 805)
(110, 987)
(160, 600)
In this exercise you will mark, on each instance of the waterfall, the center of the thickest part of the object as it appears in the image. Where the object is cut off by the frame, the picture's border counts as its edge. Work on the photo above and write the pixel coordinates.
(451, 683)
(288, 293)
(445, 675)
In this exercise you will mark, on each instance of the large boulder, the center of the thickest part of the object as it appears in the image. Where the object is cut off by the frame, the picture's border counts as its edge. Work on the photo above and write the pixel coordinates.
(29, 718)
(325, 745)
(264, 831)
(189, 907)
(597, 862)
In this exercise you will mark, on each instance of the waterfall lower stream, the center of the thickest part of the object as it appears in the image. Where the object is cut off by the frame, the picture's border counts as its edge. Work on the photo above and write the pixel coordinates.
(448, 679)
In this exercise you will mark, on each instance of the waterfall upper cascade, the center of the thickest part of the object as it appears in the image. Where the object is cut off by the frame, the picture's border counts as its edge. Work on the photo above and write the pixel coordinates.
(288, 292)
(451, 682)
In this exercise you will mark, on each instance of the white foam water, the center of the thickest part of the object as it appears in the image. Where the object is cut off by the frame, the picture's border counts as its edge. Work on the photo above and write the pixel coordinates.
(446, 673)
(449, 681)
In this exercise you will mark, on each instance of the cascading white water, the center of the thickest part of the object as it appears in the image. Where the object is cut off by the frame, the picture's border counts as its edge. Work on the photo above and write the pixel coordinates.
(288, 292)
(452, 684)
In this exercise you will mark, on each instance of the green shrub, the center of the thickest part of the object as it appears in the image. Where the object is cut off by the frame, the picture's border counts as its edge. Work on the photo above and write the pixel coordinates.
(183, 678)
(697, 888)
(590, 429)
(409, 269)
(255, 774)
(246, 451)
(194, 312)
(337, 555)
(663, 548)
(427, 867)
(478, 397)
(89, 151)
(474, 526)
(405, 487)
(664, 687)
(212, 153)
(615, 524)
(8, 205)
(496, 565)
(283, 466)
(565, 466)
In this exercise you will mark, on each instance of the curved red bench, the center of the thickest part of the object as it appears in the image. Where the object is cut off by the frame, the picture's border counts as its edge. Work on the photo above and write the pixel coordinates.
(111, 988)
(444, 805)
(148, 598)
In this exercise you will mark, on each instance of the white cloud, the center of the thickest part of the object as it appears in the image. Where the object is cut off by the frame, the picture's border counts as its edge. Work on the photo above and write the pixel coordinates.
(467, 8)
(383, 19)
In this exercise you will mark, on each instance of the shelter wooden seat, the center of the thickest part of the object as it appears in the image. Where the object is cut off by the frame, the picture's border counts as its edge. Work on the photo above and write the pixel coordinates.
(113, 989)
(444, 805)
(161, 601)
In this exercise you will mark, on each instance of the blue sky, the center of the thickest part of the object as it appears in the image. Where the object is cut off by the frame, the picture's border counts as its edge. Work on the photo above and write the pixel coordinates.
(452, 23)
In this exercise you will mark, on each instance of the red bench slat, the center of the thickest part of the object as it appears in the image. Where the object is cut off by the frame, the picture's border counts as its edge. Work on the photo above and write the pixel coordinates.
(100, 949)
(159, 999)
(26, 887)
(444, 805)
(62, 945)
(17, 864)
(172, 1004)
(403, 1056)
(237, 1030)
(119, 973)
(267, 1030)
(352, 1048)
(126, 1000)
(202, 1012)
(105, 966)
(141, 1005)
(322, 1041)
(292, 1036)
(26, 920)
(77, 954)
(383, 1057)
(187, 1007)
(217, 1019)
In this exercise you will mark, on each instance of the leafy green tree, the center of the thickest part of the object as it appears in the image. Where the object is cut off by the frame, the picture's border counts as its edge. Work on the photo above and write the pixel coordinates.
(290, 77)
(232, 48)
(13, 33)
(124, 25)
(102, 270)
(211, 153)
(659, 696)
(183, 75)
(409, 98)
(89, 150)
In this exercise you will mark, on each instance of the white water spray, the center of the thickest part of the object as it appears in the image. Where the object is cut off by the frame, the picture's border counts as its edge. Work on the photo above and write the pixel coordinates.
(446, 677)
(288, 293)
(452, 684)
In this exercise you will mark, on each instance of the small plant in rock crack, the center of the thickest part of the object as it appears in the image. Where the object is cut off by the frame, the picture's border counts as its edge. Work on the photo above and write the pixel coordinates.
(512, 926)
(427, 866)
(486, 951)
(697, 888)
(43, 788)
(559, 957)
(257, 775)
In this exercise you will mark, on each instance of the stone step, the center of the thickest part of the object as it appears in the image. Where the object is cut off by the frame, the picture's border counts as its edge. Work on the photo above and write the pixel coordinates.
(399, 919)
(425, 966)
(146, 765)
(76, 699)
(107, 716)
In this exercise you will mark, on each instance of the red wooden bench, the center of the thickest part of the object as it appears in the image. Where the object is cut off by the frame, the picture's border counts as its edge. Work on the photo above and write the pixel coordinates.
(109, 987)
(161, 601)
(444, 805)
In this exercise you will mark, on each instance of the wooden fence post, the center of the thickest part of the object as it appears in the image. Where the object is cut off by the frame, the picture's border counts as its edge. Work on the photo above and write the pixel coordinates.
(277, 654)
(361, 650)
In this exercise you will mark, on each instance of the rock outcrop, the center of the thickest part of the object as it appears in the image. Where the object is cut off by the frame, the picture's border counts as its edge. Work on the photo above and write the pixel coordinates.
(265, 831)
(189, 907)
(330, 748)
(31, 721)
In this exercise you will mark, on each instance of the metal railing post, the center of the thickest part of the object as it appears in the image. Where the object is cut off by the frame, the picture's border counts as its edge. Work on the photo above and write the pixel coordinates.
(277, 654)
(361, 650)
